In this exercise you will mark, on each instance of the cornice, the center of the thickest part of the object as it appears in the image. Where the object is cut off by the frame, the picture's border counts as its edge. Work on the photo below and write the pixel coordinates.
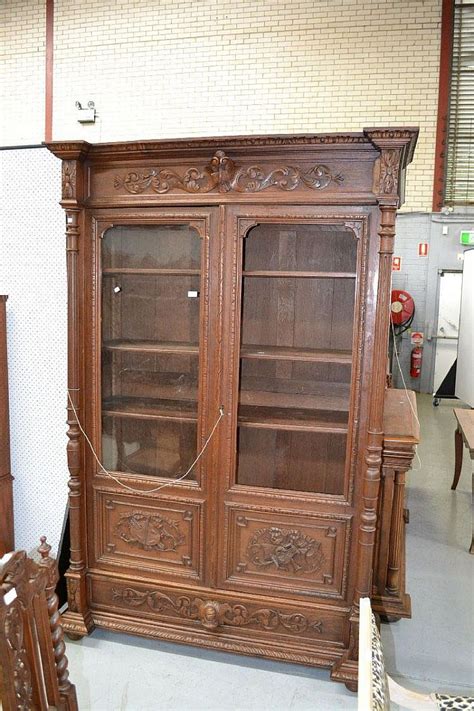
(69, 150)
(180, 147)
(379, 139)
(403, 138)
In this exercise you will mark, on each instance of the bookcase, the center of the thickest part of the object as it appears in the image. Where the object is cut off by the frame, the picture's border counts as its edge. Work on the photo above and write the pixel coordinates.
(228, 328)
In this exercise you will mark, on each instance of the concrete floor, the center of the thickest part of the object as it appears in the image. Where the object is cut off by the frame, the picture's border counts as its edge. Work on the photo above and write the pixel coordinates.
(431, 651)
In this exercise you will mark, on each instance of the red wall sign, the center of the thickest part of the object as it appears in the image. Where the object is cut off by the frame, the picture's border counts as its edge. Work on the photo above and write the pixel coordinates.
(396, 264)
(423, 249)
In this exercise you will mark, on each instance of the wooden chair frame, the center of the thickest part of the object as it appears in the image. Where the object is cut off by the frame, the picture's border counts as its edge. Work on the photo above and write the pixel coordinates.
(34, 672)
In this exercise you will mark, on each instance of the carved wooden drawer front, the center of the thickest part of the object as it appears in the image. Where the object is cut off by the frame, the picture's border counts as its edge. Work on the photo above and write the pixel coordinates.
(164, 537)
(207, 611)
(268, 550)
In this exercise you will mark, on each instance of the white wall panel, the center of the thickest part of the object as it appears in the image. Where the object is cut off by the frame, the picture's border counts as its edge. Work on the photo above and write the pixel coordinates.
(33, 274)
(465, 369)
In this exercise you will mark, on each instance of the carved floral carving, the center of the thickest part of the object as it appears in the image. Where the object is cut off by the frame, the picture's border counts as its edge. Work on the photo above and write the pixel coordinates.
(213, 614)
(224, 175)
(289, 550)
(389, 167)
(14, 635)
(69, 179)
(149, 531)
(72, 585)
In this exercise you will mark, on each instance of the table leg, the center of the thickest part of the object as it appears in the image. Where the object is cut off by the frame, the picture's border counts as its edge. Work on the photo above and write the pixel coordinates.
(458, 447)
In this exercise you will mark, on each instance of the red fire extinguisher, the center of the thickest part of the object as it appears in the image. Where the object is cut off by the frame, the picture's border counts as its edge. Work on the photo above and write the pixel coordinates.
(416, 361)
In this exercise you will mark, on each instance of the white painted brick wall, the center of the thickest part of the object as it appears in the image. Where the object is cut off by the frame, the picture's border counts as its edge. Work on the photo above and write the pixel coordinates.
(22, 71)
(216, 67)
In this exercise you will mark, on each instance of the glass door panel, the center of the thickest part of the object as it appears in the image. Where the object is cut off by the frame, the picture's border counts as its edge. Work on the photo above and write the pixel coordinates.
(298, 299)
(151, 280)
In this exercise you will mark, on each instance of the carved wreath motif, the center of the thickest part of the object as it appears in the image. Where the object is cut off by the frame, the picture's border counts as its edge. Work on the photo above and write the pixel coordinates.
(222, 174)
(21, 669)
(149, 531)
(286, 550)
(212, 613)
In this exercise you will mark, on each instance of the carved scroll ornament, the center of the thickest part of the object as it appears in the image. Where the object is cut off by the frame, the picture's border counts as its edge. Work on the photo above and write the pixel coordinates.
(291, 550)
(213, 614)
(149, 531)
(223, 175)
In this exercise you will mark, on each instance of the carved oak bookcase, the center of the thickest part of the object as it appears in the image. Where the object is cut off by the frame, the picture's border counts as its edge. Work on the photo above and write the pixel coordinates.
(248, 276)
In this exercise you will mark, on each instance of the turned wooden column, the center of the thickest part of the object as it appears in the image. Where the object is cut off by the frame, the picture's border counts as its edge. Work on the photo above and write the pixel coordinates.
(397, 529)
(77, 619)
(7, 542)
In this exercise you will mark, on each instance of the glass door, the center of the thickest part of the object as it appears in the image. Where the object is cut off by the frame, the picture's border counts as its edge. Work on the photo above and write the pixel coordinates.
(297, 314)
(152, 325)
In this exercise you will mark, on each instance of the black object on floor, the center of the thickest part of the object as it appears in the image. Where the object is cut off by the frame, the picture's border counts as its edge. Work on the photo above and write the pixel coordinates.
(64, 552)
(448, 386)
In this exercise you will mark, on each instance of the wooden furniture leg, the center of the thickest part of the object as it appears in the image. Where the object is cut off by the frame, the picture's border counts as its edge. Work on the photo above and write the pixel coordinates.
(458, 447)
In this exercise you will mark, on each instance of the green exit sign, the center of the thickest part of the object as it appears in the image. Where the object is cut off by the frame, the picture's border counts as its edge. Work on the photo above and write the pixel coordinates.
(466, 237)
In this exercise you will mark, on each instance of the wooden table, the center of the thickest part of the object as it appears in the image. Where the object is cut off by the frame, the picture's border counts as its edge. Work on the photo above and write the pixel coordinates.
(401, 435)
(464, 434)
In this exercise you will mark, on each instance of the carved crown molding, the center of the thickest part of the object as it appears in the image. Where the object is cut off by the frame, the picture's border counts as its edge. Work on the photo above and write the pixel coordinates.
(403, 138)
(223, 175)
(238, 141)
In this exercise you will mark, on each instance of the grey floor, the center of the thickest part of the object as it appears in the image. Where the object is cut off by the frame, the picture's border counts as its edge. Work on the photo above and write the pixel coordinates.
(431, 651)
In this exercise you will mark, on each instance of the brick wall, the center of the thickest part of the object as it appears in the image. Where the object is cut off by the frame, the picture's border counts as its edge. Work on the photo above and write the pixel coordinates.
(181, 68)
(22, 50)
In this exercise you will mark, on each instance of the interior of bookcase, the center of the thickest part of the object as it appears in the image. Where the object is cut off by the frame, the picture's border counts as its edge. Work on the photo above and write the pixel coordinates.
(151, 283)
(298, 298)
(297, 314)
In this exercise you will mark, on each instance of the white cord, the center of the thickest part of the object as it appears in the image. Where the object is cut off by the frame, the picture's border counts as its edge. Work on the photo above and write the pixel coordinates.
(406, 391)
(157, 488)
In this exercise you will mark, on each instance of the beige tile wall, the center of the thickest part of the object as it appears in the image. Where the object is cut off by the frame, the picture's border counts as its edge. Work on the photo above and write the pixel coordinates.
(167, 68)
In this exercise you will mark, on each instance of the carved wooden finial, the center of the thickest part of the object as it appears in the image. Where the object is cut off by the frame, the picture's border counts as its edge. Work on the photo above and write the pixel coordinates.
(44, 548)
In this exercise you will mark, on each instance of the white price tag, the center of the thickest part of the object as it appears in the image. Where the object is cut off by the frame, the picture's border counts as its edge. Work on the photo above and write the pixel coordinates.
(10, 596)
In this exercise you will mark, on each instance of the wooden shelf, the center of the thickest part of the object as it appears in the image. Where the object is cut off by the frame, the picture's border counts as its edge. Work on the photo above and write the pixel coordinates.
(297, 354)
(150, 409)
(111, 271)
(141, 462)
(325, 396)
(292, 419)
(297, 274)
(153, 347)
